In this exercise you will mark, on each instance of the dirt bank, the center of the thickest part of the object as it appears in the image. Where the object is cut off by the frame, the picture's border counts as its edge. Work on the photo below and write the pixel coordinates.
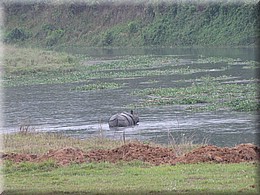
(143, 152)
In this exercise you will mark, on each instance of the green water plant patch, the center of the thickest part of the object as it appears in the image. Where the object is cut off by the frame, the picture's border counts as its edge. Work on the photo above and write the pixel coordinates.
(98, 86)
(35, 66)
(205, 94)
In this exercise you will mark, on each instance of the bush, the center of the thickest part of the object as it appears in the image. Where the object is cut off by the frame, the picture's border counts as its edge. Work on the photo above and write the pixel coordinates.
(107, 39)
(48, 27)
(133, 27)
(16, 35)
(54, 37)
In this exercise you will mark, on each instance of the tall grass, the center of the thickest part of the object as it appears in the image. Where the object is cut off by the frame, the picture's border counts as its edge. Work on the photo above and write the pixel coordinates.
(33, 142)
(41, 142)
(27, 61)
(183, 143)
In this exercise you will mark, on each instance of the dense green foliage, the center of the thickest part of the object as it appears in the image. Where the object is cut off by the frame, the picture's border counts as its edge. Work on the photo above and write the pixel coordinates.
(141, 24)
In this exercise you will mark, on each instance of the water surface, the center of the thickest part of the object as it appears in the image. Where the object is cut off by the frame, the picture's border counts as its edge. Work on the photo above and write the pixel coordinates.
(58, 108)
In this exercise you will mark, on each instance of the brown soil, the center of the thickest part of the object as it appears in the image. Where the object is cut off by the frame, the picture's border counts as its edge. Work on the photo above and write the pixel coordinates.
(64, 156)
(145, 153)
(237, 154)
(134, 151)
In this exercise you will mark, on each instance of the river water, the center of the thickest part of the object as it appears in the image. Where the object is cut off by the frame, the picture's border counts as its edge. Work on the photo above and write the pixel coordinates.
(81, 114)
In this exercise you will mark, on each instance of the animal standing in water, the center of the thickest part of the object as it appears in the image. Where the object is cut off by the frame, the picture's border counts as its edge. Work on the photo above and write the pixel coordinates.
(123, 119)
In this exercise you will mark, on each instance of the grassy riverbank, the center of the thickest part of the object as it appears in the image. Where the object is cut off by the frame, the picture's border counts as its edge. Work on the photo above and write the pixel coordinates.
(143, 23)
(135, 177)
(36, 66)
(38, 143)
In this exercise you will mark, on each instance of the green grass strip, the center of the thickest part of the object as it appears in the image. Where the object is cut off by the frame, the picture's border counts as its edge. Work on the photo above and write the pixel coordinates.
(126, 178)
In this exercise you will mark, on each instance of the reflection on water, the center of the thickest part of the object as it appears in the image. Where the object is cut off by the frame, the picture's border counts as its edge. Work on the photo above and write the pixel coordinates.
(57, 108)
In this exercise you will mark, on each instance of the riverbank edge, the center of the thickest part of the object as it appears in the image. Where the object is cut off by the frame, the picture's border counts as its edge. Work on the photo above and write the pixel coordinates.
(140, 24)
(209, 178)
(41, 143)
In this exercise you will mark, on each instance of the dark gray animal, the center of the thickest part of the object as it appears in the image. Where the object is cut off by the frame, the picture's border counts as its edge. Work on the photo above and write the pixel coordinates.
(123, 119)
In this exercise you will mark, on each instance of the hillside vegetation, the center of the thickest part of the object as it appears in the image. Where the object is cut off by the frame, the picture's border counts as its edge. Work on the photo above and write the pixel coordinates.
(203, 23)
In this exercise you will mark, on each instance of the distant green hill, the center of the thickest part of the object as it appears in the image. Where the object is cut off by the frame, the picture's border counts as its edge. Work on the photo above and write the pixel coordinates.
(140, 24)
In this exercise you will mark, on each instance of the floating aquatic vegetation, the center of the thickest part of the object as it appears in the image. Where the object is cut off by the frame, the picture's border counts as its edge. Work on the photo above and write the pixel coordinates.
(98, 86)
(208, 93)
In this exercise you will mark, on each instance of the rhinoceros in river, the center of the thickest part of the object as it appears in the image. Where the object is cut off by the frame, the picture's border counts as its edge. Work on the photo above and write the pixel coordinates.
(123, 119)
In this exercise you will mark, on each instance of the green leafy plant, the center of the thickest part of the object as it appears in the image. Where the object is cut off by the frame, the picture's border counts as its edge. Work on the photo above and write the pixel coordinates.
(54, 36)
(16, 34)
(133, 27)
(108, 38)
